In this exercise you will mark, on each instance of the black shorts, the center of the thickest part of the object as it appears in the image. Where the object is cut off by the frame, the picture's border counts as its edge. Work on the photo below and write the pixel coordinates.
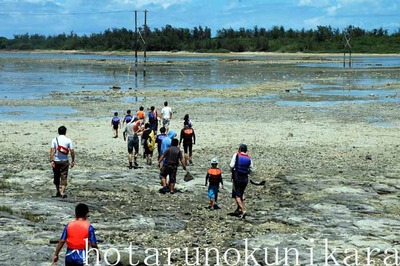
(115, 127)
(67, 263)
(187, 147)
(169, 170)
(146, 149)
(60, 171)
(239, 186)
(133, 143)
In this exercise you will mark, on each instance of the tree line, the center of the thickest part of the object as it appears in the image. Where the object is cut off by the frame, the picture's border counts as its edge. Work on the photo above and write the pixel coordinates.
(199, 39)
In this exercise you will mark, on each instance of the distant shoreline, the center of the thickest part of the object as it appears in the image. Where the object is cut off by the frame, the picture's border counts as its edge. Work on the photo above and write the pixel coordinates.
(184, 53)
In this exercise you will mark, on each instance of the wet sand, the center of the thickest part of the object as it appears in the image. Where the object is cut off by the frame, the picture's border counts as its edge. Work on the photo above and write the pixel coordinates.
(331, 173)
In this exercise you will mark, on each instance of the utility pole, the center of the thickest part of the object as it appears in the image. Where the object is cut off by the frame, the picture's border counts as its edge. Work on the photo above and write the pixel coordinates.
(347, 46)
(136, 43)
(143, 39)
(144, 42)
(144, 34)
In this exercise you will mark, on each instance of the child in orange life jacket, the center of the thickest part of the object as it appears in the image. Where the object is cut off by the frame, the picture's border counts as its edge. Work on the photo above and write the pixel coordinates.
(214, 176)
(77, 234)
(141, 115)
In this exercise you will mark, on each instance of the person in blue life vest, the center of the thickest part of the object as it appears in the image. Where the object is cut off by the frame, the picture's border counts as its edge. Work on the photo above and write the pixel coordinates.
(159, 140)
(241, 165)
(128, 117)
(115, 123)
(153, 119)
(214, 178)
(77, 234)
(187, 121)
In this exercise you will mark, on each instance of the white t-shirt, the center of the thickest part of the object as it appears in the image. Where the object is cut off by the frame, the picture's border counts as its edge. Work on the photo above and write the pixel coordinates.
(166, 112)
(62, 141)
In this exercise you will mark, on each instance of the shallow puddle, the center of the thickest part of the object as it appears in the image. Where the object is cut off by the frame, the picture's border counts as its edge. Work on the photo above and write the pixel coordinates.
(25, 113)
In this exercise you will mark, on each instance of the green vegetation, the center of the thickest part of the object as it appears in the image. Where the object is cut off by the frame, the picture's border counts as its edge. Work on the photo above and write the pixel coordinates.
(7, 175)
(4, 184)
(32, 217)
(277, 39)
(6, 209)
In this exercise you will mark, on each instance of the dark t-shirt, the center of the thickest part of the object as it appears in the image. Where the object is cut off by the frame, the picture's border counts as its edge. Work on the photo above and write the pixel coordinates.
(172, 155)
(146, 134)
(187, 135)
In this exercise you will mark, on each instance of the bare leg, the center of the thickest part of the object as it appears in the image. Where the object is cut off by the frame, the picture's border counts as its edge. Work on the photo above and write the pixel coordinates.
(130, 157)
(163, 182)
(62, 189)
(186, 157)
(240, 204)
(212, 201)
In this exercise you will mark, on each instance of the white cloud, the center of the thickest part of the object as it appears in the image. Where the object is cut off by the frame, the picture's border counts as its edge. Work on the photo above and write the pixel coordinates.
(304, 2)
(314, 3)
(313, 22)
(332, 9)
(143, 3)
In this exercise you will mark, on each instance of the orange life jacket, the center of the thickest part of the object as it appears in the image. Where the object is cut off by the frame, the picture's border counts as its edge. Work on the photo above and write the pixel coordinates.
(140, 114)
(214, 175)
(77, 232)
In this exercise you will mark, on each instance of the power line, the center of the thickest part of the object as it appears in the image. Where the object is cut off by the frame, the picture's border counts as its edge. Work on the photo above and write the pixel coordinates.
(65, 14)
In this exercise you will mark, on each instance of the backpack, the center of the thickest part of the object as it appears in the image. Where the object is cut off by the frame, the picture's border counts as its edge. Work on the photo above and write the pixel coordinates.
(151, 141)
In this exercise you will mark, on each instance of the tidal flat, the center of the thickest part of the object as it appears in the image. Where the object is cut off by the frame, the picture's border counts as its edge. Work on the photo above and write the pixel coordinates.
(325, 139)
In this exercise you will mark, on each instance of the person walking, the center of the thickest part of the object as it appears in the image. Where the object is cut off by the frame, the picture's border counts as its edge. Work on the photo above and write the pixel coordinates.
(147, 134)
(132, 130)
(153, 119)
(172, 156)
(128, 117)
(159, 140)
(61, 147)
(115, 123)
(166, 115)
(241, 165)
(76, 233)
(214, 177)
(141, 115)
(188, 138)
(187, 121)
(166, 142)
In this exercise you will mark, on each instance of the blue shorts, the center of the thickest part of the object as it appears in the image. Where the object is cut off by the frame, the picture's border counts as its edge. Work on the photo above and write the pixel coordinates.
(213, 191)
(75, 257)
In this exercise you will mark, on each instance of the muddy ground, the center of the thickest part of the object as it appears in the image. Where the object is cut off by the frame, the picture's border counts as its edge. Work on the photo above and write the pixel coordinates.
(332, 179)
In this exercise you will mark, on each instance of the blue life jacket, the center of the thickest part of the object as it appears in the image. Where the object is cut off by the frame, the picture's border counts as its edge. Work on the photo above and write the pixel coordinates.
(128, 118)
(151, 117)
(115, 120)
(243, 163)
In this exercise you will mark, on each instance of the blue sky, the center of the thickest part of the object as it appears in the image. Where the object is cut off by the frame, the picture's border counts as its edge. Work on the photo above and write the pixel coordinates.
(51, 17)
